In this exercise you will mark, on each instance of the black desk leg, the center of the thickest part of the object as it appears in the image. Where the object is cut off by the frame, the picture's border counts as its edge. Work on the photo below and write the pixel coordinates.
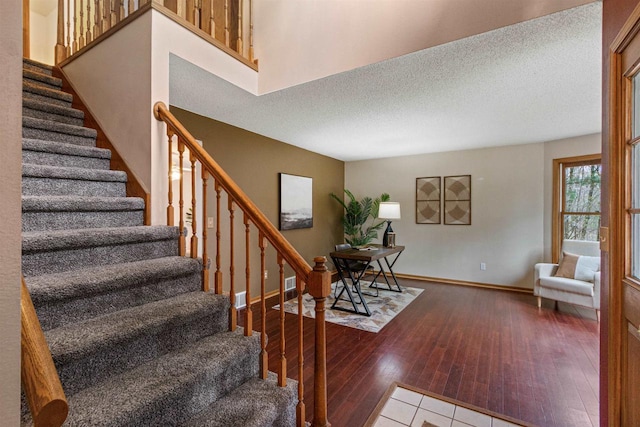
(393, 275)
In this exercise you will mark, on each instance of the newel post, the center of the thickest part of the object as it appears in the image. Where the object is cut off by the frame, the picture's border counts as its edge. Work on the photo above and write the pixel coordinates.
(320, 288)
(60, 52)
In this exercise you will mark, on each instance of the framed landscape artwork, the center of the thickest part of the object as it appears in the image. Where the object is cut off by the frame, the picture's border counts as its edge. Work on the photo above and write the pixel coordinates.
(296, 202)
(457, 200)
(428, 200)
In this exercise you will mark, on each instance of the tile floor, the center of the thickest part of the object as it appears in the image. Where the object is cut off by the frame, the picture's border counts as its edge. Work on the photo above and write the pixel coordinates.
(408, 408)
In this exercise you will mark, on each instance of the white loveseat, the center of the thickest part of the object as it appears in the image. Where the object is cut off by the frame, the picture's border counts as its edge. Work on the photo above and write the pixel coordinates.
(572, 291)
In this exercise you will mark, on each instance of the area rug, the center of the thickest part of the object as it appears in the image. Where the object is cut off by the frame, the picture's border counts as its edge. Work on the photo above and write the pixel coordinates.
(406, 405)
(383, 308)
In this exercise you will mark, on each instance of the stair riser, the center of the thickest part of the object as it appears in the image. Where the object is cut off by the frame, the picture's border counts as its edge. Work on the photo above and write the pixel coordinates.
(48, 99)
(177, 408)
(40, 221)
(37, 69)
(39, 114)
(47, 135)
(53, 315)
(119, 357)
(37, 263)
(50, 85)
(52, 159)
(37, 186)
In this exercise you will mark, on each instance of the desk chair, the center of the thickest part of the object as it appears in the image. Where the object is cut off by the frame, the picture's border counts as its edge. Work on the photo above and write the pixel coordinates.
(355, 269)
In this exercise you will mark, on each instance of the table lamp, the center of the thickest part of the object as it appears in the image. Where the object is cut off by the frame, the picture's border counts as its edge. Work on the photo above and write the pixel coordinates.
(388, 211)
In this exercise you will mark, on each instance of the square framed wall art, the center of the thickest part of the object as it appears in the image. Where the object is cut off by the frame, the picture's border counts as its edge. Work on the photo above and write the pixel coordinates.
(428, 196)
(457, 200)
(296, 202)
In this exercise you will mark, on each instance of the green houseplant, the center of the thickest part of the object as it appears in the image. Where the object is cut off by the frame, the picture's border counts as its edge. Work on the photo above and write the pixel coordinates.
(357, 215)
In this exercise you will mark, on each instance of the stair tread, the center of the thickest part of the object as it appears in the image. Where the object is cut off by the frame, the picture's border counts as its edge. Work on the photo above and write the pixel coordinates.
(53, 126)
(39, 241)
(160, 382)
(107, 278)
(65, 172)
(77, 340)
(35, 104)
(255, 403)
(36, 63)
(30, 64)
(55, 147)
(45, 78)
(46, 91)
(80, 203)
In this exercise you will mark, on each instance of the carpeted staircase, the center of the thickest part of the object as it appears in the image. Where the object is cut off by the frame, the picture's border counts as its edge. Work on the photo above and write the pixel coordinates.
(134, 339)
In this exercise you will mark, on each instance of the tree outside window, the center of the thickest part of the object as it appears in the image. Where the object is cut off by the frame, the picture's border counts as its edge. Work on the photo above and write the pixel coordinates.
(581, 213)
(576, 203)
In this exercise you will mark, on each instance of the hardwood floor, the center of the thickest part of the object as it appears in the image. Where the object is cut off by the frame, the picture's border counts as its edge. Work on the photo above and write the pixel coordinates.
(492, 349)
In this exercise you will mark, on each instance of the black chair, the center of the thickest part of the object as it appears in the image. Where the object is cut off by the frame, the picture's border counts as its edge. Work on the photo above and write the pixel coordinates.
(354, 269)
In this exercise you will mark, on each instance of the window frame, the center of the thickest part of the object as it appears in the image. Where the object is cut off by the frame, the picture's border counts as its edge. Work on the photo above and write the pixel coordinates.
(557, 226)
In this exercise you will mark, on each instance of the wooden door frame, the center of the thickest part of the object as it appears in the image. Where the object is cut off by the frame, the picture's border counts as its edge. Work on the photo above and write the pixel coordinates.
(618, 174)
(26, 29)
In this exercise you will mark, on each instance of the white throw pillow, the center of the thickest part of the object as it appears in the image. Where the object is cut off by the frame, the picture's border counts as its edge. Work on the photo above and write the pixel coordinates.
(587, 267)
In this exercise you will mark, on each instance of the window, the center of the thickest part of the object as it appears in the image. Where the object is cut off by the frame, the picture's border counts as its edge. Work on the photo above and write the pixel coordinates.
(576, 201)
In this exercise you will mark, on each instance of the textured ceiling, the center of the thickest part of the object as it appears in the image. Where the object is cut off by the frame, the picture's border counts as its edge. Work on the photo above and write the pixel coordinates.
(535, 81)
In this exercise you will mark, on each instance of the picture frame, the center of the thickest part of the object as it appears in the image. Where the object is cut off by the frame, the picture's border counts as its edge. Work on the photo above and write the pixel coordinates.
(296, 202)
(457, 200)
(428, 195)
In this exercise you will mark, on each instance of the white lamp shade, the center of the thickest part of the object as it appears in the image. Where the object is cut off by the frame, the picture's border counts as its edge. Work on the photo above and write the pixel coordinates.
(389, 210)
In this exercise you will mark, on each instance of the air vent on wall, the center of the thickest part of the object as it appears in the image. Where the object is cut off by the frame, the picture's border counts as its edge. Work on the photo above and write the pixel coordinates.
(241, 300)
(290, 283)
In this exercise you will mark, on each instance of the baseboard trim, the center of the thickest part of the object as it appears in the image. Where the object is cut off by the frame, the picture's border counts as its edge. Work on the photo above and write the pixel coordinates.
(465, 283)
(492, 286)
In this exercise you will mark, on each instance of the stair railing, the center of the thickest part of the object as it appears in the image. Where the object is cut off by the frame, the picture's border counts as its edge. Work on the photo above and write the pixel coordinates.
(317, 280)
(221, 22)
(40, 380)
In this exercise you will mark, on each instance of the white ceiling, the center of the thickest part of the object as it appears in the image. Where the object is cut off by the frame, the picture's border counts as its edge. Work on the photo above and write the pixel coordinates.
(536, 81)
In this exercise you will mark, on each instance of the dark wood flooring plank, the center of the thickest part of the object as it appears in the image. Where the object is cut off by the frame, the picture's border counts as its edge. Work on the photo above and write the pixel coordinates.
(489, 348)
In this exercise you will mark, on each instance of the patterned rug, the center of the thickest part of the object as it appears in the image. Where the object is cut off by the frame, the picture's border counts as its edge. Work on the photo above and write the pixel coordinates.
(383, 308)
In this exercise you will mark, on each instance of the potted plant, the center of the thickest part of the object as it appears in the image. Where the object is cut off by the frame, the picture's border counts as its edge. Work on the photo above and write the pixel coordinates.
(357, 215)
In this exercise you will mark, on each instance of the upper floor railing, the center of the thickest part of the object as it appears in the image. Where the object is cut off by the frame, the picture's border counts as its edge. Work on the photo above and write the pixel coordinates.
(200, 166)
(227, 24)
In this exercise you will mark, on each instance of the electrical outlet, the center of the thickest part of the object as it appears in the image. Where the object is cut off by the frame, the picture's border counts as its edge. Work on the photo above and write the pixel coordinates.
(266, 274)
(483, 266)
(210, 222)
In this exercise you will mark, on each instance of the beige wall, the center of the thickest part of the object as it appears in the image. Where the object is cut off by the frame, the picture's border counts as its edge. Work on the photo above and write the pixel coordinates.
(10, 211)
(353, 35)
(42, 38)
(112, 83)
(510, 194)
(254, 162)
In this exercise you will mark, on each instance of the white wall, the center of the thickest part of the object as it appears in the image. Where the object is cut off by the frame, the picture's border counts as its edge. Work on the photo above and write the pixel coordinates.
(113, 80)
(10, 211)
(510, 194)
(570, 147)
(42, 36)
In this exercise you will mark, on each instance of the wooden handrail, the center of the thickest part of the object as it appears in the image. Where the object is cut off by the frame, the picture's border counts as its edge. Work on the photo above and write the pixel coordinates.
(317, 279)
(40, 380)
(289, 253)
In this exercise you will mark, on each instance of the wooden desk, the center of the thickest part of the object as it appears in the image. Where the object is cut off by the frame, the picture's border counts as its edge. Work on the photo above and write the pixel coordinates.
(342, 259)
